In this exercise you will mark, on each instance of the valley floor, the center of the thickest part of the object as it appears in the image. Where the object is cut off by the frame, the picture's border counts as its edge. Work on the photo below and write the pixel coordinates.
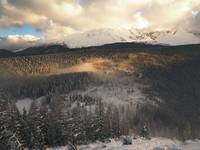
(140, 144)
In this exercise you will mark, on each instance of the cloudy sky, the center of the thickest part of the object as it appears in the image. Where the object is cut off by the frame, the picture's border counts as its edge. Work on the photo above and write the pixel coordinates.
(26, 22)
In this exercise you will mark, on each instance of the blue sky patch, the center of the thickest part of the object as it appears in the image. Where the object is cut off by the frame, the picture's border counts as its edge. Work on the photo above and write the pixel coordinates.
(22, 30)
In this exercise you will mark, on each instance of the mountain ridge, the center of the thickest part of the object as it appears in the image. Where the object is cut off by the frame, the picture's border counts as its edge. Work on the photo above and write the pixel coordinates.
(106, 36)
(63, 48)
(6, 53)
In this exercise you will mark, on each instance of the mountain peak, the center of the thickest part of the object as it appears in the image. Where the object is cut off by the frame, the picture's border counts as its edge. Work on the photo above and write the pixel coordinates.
(107, 36)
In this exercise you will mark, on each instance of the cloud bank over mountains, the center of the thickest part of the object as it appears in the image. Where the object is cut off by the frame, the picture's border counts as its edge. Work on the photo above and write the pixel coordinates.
(56, 19)
(16, 42)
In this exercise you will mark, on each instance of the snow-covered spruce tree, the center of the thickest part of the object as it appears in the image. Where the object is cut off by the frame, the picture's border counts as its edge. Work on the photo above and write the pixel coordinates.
(99, 124)
(145, 131)
(19, 129)
(187, 131)
(107, 121)
(54, 132)
(89, 125)
(5, 130)
(37, 118)
(63, 122)
(57, 133)
(87, 116)
(124, 124)
(76, 125)
(25, 130)
(10, 127)
(116, 122)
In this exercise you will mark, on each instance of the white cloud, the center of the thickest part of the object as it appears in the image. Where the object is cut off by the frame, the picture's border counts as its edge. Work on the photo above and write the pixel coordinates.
(58, 18)
(14, 42)
(89, 14)
(141, 22)
(17, 38)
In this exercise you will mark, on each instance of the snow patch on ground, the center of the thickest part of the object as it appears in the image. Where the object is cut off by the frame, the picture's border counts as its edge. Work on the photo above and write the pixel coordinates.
(24, 104)
(118, 95)
(138, 144)
(191, 145)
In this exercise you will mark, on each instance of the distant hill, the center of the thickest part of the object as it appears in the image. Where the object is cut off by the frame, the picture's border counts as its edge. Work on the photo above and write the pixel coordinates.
(63, 48)
(44, 49)
(6, 53)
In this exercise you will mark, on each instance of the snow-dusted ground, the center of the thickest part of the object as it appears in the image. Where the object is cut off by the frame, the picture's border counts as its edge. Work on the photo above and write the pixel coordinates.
(24, 104)
(191, 145)
(140, 144)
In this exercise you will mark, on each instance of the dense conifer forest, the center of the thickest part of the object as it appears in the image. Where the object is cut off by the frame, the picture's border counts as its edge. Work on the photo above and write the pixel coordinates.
(69, 102)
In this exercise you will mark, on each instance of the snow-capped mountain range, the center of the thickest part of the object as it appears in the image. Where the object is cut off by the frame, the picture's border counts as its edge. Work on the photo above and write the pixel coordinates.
(106, 36)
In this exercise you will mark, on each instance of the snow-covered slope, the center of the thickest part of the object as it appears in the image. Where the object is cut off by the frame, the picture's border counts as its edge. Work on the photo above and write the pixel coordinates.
(180, 37)
(99, 37)
(107, 36)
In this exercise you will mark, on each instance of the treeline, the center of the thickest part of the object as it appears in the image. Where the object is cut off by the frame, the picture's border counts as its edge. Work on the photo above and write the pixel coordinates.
(50, 63)
(45, 64)
(34, 87)
(60, 122)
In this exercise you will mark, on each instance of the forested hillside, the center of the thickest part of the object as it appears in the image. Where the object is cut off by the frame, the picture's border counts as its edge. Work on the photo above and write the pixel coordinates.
(97, 93)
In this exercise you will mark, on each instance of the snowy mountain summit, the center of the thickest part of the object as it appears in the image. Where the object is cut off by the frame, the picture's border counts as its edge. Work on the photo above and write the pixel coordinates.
(107, 36)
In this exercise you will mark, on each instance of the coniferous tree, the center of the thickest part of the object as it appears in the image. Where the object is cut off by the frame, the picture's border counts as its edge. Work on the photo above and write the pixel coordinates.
(99, 121)
(5, 125)
(116, 122)
(37, 123)
(107, 120)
